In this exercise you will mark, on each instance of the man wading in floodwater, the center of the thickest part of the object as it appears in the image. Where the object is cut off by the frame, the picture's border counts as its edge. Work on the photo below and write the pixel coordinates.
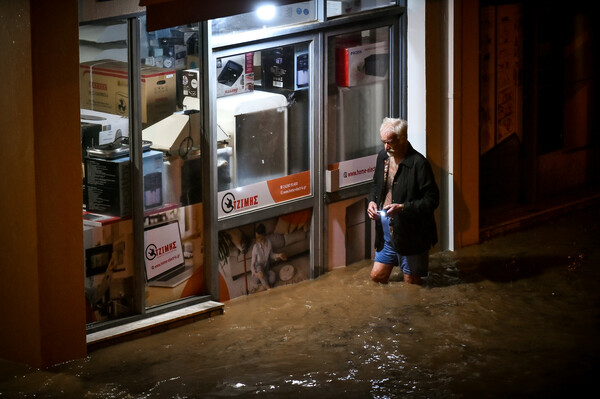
(402, 200)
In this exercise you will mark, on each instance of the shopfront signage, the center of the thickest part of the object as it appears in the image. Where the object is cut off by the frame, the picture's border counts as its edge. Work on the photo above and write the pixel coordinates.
(351, 172)
(258, 195)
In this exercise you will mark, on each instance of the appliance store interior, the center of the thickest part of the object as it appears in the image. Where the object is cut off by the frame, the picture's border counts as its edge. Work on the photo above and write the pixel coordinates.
(212, 148)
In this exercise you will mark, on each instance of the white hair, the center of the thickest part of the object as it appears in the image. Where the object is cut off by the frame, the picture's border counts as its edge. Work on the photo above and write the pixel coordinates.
(396, 125)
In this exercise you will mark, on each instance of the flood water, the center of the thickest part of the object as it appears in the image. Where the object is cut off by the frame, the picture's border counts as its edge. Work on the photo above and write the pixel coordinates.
(517, 316)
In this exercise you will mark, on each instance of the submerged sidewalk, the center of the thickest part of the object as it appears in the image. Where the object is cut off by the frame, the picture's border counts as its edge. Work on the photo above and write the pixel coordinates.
(516, 316)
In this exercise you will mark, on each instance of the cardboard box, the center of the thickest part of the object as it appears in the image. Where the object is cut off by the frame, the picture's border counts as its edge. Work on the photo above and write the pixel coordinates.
(235, 74)
(109, 189)
(104, 88)
(362, 64)
(278, 68)
(190, 79)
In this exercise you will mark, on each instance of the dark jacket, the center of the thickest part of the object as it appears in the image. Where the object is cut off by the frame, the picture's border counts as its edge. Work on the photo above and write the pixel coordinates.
(414, 229)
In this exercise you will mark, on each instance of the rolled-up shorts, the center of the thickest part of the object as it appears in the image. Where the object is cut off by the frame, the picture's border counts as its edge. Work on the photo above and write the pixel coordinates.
(413, 265)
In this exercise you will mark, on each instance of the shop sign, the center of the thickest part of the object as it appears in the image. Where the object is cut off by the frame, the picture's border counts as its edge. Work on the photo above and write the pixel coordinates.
(258, 195)
(353, 171)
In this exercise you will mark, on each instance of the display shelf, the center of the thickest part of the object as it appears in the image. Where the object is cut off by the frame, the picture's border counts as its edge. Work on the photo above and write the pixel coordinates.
(97, 219)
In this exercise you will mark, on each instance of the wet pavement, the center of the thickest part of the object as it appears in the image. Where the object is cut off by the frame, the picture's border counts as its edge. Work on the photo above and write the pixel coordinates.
(517, 316)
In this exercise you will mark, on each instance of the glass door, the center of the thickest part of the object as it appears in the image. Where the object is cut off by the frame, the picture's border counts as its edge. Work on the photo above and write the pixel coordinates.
(107, 191)
(174, 226)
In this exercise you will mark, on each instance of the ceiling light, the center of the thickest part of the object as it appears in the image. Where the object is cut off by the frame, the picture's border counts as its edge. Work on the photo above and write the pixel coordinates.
(266, 12)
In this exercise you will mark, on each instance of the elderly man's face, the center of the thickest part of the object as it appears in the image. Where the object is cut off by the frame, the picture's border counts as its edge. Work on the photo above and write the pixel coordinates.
(393, 144)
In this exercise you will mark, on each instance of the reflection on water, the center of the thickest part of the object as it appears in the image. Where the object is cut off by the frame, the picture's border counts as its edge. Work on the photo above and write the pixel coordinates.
(515, 316)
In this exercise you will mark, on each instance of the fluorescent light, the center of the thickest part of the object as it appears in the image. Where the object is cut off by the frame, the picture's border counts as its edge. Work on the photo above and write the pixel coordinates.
(266, 12)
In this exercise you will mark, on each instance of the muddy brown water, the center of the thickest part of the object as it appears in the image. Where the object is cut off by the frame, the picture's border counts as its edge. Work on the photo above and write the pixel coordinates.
(517, 316)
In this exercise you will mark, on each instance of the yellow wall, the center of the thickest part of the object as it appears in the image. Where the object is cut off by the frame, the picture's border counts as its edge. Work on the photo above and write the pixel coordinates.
(41, 290)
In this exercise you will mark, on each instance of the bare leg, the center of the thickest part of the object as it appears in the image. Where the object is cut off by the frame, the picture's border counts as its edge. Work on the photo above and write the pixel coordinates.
(380, 273)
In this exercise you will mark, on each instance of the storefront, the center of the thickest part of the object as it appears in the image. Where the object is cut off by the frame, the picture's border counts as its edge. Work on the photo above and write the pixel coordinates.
(203, 141)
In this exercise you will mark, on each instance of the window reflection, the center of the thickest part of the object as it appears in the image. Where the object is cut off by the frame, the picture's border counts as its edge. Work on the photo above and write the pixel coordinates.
(357, 101)
(175, 222)
(107, 233)
(358, 93)
(172, 128)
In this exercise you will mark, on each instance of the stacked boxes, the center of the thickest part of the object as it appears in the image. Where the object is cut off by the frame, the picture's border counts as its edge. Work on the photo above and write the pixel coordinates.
(285, 68)
(108, 184)
(104, 88)
(235, 74)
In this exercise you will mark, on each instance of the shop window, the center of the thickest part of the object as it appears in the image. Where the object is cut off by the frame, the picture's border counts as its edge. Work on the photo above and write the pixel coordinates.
(277, 247)
(172, 169)
(108, 233)
(265, 148)
(339, 8)
(357, 101)
(263, 130)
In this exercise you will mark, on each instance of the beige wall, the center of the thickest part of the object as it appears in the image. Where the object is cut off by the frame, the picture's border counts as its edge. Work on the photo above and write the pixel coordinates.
(452, 116)
(41, 290)
(436, 59)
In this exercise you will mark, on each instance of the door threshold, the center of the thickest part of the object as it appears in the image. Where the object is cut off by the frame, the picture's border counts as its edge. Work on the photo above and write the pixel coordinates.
(154, 324)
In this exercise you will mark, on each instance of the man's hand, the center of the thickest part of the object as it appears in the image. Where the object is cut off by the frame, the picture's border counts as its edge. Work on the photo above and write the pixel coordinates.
(372, 211)
(393, 209)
